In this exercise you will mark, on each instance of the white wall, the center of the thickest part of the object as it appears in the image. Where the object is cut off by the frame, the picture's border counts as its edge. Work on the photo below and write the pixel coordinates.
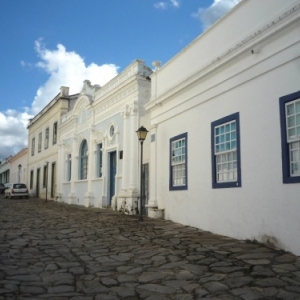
(16, 174)
(263, 208)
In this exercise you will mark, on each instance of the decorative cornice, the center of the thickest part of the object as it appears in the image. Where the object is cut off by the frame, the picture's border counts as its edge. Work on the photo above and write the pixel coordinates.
(102, 104)
(138, 67)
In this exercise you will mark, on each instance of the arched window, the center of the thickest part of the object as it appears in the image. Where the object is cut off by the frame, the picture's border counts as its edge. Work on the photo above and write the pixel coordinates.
(83, 160)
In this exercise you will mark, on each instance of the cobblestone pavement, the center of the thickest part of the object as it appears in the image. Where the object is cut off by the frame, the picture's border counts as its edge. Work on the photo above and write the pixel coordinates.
(59, 251)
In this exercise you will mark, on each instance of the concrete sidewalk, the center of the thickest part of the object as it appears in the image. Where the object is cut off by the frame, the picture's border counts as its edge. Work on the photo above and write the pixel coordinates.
(59, 251)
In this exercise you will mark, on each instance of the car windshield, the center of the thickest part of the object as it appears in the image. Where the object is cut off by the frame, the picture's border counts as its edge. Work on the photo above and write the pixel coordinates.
(19, 186)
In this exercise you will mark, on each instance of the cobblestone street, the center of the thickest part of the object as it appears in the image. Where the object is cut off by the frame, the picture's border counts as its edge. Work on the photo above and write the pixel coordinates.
(59, 251)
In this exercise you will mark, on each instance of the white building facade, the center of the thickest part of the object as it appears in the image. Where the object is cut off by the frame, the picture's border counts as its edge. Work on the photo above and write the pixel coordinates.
(43, 135)
(99, 150)
(5, 170)
(18, 167)
(225, 127)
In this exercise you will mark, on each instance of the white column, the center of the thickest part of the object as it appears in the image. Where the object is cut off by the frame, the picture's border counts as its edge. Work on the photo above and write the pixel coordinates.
(104, 173)
(134, 159)
(126, 150)
(152, 168)
(89, 195)
(74, 171)
(154, 208)
(59, 171)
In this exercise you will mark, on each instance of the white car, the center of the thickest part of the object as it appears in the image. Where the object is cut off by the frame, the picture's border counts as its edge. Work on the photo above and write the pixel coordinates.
(17, 190)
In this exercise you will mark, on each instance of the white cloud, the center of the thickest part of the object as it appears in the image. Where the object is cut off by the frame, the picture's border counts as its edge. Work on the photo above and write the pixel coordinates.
(214, 12)
(13, 132)
(175, 3)
(64, 69)
(166, 4)
(162, 5)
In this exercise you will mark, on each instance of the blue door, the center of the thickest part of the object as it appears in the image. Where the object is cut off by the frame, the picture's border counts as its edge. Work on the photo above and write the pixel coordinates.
(112, 175)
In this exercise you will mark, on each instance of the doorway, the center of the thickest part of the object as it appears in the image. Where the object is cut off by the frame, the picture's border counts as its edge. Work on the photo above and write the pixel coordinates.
(38, 183)
(53, 180)
(112, 175)
(145, 183)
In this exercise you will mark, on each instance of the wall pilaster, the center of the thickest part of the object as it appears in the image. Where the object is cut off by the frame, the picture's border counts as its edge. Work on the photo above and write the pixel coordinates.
(74, 172)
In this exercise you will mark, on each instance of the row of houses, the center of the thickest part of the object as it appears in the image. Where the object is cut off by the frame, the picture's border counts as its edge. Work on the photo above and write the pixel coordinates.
(223, 148)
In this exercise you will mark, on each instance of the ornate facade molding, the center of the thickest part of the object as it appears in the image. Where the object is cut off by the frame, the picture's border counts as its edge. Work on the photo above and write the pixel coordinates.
(98, 136)
(110, 101)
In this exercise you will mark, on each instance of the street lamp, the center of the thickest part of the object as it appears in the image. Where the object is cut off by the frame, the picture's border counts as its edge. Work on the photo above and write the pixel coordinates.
(46, 179)
(141, 133)
(19, 167)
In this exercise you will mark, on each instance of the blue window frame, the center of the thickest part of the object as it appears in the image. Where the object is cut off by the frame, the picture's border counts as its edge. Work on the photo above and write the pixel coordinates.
(289, 106)
(225, 149)
(83, 160)
(178, 162)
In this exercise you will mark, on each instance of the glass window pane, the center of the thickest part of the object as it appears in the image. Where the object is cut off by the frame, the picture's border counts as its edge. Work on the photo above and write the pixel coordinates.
(298, 107)
(224, 158)
(220, 177)
(227, 137)
(291, 121)
(295, 155)
(235, 175)
(298, 119)
(292, 132)
(295, 168)
(234, 155)
(294, 145)
(229, 156)
(290, 109)
(227, 127)
(233, 126)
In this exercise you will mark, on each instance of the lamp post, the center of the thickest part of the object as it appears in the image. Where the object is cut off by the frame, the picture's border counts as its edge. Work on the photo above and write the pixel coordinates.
(141, 133)
(19, 167)
(46, 179)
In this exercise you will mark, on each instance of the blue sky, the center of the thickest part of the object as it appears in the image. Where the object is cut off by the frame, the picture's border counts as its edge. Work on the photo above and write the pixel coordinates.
(49, 43)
